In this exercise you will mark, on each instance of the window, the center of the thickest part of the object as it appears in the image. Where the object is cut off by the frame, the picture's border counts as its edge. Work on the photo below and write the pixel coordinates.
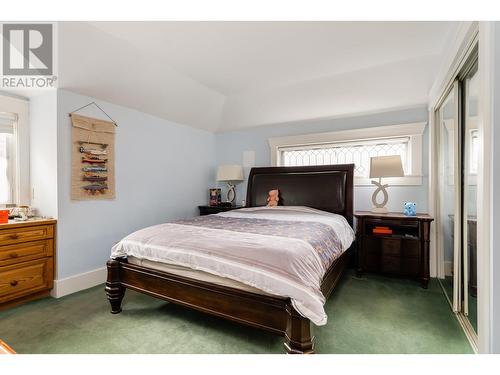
(358, 153)
(14, 150)
(355, 146)
(7, 155)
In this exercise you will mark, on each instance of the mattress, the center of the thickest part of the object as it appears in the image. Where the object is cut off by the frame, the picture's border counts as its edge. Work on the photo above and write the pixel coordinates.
(194, 274)
(282, 251)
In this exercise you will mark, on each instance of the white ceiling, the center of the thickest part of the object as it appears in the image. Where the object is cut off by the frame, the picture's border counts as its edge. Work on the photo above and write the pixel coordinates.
(227, 75)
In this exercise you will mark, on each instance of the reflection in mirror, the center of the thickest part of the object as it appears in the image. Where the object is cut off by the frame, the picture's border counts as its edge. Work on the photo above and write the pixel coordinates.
(470, 166)
(447, 131)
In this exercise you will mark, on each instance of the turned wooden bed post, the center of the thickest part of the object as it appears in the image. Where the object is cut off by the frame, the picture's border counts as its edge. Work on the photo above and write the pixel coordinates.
(114, 290)
(298, 338)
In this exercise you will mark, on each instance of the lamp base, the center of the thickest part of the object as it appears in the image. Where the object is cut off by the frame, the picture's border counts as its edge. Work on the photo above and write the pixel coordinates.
(231, 194)
(379, 210)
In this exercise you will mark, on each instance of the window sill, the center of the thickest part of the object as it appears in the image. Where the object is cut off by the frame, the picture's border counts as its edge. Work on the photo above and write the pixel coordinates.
(392, 181)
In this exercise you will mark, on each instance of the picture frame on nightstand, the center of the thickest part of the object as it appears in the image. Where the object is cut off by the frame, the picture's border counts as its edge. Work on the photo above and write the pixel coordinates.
(214, 197)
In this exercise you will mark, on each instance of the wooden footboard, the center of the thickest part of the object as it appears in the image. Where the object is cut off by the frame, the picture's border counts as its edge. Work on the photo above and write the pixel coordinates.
(326, 187)
(272, 314)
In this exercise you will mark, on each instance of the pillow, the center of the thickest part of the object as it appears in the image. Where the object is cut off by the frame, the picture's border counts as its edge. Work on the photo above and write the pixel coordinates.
(273, 198)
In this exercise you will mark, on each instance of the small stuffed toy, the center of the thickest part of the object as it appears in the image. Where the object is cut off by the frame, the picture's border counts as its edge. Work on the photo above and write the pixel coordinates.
(273, 198)
(410, 209)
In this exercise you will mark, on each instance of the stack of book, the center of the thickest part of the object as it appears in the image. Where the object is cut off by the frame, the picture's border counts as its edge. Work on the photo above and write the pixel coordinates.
(382, 230)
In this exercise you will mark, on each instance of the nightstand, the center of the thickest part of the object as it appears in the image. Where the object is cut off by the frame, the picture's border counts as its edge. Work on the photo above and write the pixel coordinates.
(209, 210)
(402, 250)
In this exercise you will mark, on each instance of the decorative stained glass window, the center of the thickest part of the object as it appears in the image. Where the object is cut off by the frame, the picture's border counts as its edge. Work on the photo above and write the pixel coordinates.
(357, 152)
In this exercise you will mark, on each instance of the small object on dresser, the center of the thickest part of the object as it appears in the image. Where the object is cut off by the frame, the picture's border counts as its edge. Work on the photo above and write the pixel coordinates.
(214, 197)
(21, 212)
(382, 230)
(410, 209)
(273, 198)
(4, 216)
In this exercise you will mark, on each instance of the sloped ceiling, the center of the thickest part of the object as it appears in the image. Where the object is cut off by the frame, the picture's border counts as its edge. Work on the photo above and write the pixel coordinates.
(229, 75)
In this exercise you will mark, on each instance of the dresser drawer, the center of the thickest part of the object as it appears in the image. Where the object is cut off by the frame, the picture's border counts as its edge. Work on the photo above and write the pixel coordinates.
(32, 233)
(391, 246)
(21, 252)
(410, 249)
(391, 264)
(410, 266)
(25, 278)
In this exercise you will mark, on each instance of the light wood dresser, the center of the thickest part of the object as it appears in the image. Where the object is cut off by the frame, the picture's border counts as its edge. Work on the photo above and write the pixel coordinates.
(27, 252)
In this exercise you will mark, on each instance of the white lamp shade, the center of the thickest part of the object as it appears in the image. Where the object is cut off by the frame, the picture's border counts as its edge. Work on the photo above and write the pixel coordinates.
(230, 173)
(386, 166)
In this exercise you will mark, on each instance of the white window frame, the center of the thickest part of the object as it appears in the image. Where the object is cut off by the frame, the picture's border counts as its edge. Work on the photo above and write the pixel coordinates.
(21, 156)
(414, 131)
(11, 118)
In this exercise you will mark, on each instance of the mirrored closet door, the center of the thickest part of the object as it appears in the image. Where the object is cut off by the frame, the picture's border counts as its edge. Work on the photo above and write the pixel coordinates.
(469, 192)
(449, 179)
(457, 146)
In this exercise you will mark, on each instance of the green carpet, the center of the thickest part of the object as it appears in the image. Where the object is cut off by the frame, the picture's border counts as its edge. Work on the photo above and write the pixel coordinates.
(373, 314)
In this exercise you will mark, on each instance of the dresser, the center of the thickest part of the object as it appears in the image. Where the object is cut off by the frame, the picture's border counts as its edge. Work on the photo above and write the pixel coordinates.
(209, 210)
(404, 251)
(27, 252)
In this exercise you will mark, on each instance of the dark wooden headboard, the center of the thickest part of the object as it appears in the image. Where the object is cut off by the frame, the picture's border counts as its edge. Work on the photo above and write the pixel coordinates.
(325, 187)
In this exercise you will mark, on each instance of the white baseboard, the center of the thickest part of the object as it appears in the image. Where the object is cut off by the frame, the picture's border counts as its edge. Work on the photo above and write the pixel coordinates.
(73, 284)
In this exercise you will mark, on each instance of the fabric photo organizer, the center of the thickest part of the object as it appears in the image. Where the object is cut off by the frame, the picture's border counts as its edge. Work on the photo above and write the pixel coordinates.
(92, 158)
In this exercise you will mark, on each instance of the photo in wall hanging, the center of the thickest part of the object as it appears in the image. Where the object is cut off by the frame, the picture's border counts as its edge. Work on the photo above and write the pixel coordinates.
(93, 158)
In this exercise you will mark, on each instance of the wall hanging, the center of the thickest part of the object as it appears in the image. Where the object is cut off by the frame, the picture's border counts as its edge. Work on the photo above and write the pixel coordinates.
(93, 158)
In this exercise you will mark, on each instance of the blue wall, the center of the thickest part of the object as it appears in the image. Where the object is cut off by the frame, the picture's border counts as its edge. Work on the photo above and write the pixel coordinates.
(162, 171)
(232, 144)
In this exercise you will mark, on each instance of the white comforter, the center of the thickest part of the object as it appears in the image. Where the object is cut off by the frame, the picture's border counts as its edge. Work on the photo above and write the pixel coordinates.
(279, 265)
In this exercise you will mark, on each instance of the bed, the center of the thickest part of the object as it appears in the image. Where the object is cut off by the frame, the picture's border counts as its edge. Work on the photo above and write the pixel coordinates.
(276, 282)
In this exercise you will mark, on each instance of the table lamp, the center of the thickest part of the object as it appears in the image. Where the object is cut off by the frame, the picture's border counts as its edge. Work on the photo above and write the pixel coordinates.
(384, 166)
(230, 174)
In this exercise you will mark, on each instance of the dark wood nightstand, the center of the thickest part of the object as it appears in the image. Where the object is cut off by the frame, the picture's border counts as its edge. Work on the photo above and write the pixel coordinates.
(209, 210)
(403, 252)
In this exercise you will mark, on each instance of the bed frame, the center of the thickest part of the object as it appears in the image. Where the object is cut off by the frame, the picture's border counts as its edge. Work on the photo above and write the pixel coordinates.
(328, 188)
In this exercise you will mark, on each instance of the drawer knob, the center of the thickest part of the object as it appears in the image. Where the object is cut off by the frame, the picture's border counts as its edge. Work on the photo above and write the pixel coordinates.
(13, 255)
(13, 282)
(14, 236)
